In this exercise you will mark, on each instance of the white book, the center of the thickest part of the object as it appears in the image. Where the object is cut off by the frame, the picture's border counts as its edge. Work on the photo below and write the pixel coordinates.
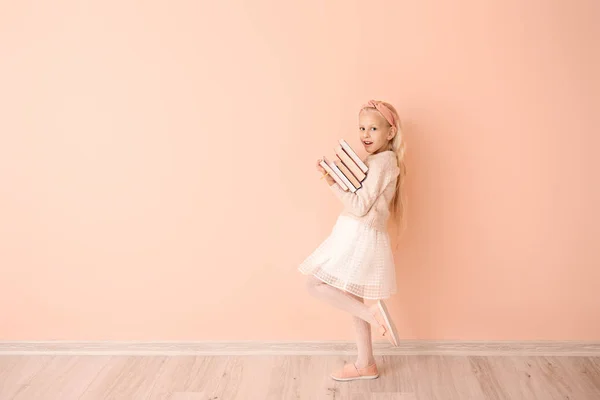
(363, 167)
(332, 173)
(342, 176)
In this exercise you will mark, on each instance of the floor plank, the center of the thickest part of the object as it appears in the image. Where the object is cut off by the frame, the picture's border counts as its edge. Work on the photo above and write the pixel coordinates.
(60, 377)
(420, 377)
(125, 378)
(583, 374)
(444, 377)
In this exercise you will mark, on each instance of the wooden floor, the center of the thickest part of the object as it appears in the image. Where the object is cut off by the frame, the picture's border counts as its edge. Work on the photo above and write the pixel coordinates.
(296, 377)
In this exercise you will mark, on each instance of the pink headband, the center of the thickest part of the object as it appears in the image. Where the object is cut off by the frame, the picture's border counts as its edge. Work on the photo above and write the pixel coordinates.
(383, 110)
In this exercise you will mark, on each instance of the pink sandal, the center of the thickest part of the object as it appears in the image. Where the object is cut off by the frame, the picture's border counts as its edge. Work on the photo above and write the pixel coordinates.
(386, 325)
(351, 372)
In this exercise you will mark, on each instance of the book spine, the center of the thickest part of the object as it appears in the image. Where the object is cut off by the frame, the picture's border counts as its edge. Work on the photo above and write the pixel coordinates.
(330, 171)
(349, 164)
(354, 156)
(343, 177)
(347, 173)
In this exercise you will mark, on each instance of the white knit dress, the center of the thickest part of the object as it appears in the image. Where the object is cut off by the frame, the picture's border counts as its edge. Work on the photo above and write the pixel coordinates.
(357, 255)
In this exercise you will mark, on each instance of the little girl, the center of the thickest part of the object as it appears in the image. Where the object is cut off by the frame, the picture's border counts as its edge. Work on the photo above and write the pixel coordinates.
(355, 262)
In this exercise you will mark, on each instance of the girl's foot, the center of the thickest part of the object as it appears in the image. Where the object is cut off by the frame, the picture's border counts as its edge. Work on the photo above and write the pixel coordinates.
(351, 372)
(386, 325)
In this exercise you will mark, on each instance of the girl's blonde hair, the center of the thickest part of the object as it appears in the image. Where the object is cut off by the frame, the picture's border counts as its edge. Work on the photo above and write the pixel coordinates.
(398, 146)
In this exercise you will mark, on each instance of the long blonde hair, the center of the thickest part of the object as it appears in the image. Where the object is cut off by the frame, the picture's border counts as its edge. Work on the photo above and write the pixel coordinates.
(397, 145)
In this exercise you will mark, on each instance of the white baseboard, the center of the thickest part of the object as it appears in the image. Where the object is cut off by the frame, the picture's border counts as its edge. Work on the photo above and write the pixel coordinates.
(241, 348)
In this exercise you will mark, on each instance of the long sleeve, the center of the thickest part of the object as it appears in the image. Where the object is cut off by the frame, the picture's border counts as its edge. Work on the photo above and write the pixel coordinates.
(382, 171)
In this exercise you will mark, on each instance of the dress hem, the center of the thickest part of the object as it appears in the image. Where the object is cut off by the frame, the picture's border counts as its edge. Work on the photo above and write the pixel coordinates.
(345, 290)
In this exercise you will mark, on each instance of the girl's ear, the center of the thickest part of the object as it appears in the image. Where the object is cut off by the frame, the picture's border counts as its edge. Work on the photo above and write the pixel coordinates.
(392, 133)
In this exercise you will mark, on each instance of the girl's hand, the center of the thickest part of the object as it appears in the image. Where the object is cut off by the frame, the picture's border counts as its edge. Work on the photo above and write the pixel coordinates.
(328, 178)
(319, 168)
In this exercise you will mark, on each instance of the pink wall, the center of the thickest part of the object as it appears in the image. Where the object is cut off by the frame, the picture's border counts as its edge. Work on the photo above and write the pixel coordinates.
(129, 209)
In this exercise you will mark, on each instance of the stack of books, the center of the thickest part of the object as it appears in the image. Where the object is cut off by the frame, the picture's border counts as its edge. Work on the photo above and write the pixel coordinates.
(348, 170)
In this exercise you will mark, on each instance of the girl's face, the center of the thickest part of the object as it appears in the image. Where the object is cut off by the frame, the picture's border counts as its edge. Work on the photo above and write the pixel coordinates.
(374, 131)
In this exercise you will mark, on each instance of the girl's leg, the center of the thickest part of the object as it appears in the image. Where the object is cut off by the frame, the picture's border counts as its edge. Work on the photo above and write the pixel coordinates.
(361, 316)
(342, 300)
(364, 342)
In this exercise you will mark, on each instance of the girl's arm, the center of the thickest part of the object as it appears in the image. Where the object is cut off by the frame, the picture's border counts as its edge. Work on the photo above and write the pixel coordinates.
(381, 173)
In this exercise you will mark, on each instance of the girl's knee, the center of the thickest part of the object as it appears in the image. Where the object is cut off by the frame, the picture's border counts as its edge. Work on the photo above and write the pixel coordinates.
(313, 284)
